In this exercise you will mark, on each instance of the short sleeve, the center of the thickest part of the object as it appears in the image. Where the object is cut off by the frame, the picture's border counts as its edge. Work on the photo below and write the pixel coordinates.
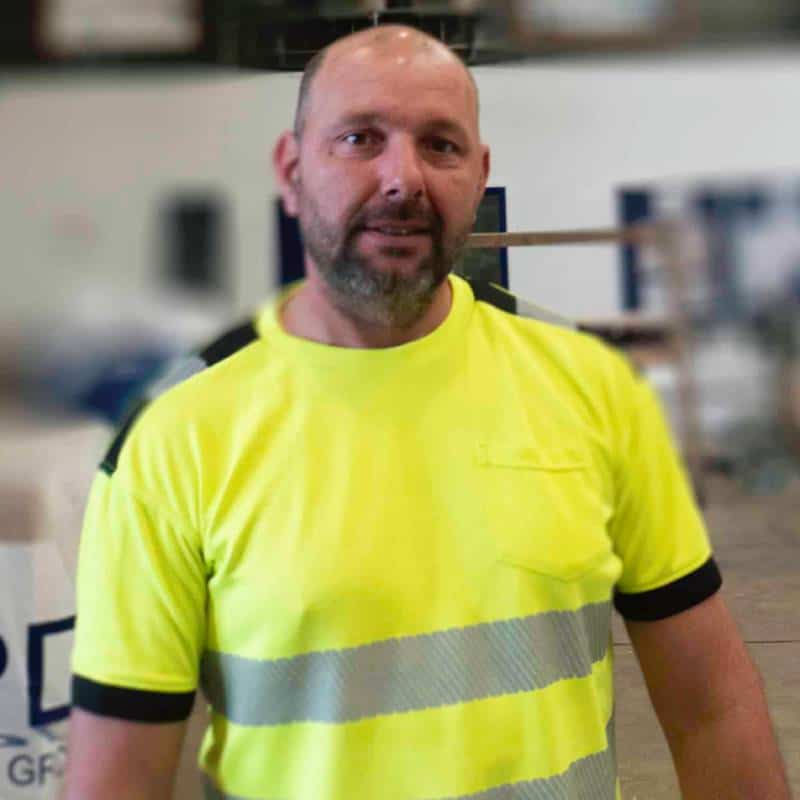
(657, 529)
(141, 595)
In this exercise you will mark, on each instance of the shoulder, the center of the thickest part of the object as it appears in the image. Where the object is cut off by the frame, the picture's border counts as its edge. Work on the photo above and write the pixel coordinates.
(531, 335)
(192, 388)
(553, 364)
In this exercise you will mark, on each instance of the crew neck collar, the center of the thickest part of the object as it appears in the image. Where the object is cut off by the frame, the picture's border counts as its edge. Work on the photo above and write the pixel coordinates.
(419, 351)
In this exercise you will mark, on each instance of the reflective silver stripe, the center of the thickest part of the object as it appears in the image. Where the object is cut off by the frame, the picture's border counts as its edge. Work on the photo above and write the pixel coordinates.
(593, 777)
(410, 673)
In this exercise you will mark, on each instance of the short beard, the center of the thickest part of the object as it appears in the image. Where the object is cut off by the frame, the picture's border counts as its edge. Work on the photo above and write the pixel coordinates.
(369, 295)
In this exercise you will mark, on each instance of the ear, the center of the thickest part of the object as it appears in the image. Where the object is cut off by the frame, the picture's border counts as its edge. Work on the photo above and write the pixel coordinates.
(285, 164)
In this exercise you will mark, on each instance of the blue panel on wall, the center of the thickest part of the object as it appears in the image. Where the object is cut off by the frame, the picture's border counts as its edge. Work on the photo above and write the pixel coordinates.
(633, 205)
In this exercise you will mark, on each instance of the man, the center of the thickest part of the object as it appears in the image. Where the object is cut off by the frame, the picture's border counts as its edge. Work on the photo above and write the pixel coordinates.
(384, 526)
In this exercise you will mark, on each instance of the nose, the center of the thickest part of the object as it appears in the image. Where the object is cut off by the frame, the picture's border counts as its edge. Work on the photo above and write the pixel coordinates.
(401, 171)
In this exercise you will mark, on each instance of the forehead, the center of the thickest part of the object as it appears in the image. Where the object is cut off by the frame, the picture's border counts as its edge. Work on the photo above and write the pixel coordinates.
(399, 85)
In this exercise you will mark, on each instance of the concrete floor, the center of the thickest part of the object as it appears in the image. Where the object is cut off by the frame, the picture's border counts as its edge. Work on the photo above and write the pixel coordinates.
(757, 545)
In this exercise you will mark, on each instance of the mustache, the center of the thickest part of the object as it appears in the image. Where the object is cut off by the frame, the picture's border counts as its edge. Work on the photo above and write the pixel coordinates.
(397, 213)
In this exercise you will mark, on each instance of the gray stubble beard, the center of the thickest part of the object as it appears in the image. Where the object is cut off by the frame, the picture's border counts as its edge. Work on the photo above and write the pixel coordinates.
(369, 295)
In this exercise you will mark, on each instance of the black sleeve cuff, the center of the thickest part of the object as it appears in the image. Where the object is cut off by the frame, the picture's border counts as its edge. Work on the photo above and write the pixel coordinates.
(135, 705)
(673, 598)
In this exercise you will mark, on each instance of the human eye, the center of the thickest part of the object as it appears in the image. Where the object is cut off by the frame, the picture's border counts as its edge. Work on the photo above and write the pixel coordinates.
(358, 142)
(355, 139)
(443, 147)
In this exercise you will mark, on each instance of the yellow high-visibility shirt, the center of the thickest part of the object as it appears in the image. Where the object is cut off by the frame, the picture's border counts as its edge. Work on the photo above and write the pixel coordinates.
(391, 570)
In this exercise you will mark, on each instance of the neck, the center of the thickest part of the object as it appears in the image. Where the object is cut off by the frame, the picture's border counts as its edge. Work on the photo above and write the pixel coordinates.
(311, 314)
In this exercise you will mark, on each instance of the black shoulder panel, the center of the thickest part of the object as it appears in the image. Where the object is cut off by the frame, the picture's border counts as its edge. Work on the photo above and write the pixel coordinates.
(226, 345)
(109, 463)
(494, 295)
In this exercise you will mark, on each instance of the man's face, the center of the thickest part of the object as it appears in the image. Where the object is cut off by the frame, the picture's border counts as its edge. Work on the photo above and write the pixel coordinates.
(390, 174)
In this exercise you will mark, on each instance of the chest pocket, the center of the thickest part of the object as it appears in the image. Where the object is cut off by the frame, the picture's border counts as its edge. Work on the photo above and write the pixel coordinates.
(544, 510)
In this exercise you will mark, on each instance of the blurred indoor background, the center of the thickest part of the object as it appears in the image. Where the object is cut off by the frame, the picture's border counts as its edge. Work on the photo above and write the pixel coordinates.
(139, 216)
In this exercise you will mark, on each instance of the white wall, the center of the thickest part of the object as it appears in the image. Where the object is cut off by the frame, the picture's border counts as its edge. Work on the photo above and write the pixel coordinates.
(84, 166)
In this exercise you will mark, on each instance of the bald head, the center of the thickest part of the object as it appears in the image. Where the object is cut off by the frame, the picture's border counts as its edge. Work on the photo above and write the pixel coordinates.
(383, 40)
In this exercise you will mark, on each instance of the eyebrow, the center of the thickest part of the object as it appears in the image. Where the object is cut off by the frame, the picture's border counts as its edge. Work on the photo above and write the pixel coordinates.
(445, 125)
(357, 120)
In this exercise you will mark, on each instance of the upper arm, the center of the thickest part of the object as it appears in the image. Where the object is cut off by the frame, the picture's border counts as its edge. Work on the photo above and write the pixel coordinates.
(140, 629)
(656, 527)
(695, 664)
(688, 646)
(141, 594)
(110, 757)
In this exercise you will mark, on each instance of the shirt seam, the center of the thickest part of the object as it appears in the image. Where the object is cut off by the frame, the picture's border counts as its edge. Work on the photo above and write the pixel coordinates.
(151, 505)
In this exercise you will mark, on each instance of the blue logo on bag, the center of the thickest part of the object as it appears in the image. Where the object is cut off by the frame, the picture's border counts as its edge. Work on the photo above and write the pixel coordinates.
(37, 634)
(34, 768)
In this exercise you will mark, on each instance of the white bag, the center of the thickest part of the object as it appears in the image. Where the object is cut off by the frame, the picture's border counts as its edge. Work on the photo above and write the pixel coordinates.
(45, 473)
